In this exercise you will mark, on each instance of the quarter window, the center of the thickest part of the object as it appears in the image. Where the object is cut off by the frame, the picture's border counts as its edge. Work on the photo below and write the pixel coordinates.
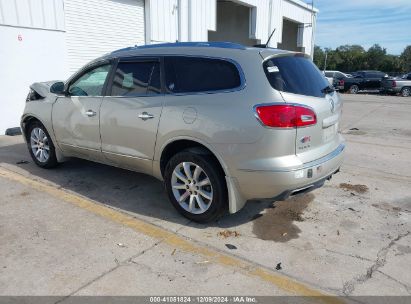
(91, 83)
(192, 75)
(136, 79)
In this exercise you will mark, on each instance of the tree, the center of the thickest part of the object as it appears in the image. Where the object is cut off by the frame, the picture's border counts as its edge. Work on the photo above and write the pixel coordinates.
(391, 63)
(319, 57)
(375, 56)
(406, 59)
(350, 58)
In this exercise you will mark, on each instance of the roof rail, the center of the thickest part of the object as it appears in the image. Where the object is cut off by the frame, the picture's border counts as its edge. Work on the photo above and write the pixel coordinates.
(224, 45)
(129, 48)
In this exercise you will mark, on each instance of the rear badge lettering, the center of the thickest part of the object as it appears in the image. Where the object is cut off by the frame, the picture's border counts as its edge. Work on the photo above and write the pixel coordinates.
(305, 139)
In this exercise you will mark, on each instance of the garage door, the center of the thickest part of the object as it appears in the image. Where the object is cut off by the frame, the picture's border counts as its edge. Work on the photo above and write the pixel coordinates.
(96, 27)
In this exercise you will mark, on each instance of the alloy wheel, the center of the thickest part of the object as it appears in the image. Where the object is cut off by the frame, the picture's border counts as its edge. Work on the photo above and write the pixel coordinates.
(39, 144)
(354, 89)
(192, 188)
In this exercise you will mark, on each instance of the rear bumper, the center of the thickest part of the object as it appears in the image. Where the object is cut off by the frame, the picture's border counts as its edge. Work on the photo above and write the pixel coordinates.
(318, 184)
(391, 90)
(284, 182)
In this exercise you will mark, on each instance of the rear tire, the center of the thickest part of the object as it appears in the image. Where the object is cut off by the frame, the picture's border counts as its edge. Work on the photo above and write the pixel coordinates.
(406, 92)
(196, 187)
(354, 89)
(40, 145)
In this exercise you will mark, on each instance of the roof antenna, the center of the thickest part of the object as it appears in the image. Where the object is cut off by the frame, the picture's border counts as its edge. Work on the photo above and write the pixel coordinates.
(268, 41)
(269, 38)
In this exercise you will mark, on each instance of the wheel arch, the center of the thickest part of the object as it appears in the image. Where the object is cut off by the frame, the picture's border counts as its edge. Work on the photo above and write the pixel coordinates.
(27, 119)
(179, 144)
(235, 199)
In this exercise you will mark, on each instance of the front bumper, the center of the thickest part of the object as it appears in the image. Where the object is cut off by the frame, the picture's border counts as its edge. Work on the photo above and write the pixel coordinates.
(283, 182)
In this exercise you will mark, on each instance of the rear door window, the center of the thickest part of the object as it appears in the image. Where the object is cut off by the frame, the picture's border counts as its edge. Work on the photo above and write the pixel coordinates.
(375, 75)
(196, 74)
(295, 74)
(136, 79)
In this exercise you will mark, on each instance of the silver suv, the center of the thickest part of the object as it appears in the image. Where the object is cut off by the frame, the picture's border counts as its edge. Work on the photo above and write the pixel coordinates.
(219, 123)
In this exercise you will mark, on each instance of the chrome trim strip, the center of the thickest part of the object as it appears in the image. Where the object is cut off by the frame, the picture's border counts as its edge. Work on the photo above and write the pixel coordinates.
(78, 147)
(126, 156)
(311, 164)
(324, 159)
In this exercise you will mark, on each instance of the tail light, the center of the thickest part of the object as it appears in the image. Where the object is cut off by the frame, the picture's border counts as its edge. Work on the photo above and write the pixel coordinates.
(394, 84)
(342, 82)
(285, 116)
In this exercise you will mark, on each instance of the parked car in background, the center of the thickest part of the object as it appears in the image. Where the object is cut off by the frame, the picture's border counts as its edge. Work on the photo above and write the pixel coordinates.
(337, 79)
(211, 120)
(334, 78)
(364, 81)
(397, 85)
(329, 77)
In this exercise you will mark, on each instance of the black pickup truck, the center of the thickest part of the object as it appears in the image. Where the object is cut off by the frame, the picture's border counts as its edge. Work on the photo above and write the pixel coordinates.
(363, 81)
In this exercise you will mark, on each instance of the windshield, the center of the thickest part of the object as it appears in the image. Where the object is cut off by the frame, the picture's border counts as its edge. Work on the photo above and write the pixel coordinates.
(297, 75)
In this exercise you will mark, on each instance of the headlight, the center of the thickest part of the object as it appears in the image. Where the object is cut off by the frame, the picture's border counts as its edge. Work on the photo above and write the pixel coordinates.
(33, 95)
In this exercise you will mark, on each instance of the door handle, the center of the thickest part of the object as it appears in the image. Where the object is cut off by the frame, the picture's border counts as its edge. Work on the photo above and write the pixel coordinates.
(91, 113)
(144, 116)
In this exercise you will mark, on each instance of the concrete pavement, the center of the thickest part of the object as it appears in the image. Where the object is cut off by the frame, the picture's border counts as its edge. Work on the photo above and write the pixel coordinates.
(351, 237)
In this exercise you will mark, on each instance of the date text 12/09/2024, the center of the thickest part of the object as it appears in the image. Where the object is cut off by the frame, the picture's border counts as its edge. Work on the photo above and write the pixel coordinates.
(203, 299)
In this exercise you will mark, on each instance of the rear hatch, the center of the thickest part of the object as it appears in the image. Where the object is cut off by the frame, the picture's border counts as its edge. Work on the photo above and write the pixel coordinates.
(300, 82)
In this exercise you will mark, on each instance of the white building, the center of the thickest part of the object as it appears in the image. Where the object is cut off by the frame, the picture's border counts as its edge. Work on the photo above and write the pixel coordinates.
(43, 40)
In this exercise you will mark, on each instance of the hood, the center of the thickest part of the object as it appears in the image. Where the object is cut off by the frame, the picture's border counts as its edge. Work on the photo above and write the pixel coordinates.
(43, 88)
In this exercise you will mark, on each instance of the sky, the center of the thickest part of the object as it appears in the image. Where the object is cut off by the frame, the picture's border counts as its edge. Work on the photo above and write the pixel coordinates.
(364, 22)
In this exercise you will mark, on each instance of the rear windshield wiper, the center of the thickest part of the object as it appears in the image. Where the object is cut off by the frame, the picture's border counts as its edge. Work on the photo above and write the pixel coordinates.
(327, 90)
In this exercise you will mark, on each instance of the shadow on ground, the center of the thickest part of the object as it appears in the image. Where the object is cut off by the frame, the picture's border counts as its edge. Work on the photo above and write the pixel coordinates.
(129, 191)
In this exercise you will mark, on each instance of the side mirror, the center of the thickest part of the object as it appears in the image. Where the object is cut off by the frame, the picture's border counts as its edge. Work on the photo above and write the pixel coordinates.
(57, 88)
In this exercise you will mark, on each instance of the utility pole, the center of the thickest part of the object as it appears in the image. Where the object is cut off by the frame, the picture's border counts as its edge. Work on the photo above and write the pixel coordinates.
(312, 29)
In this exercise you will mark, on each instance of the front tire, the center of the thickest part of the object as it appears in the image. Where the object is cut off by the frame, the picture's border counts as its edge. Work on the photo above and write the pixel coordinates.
(406, 92)
(196, 187)
(41, 146)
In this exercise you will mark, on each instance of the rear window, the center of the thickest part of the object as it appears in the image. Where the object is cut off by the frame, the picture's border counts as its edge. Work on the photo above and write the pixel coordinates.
(193, 74)
(339, 75)
(294, 74)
